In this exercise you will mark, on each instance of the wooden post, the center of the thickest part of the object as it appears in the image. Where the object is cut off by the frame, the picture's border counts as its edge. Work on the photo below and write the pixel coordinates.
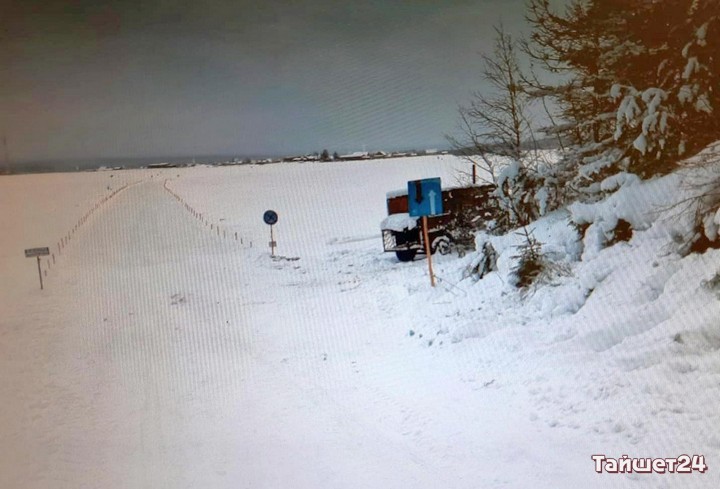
(272, 242)
(474, 173)
(428, 251)
(40, 273)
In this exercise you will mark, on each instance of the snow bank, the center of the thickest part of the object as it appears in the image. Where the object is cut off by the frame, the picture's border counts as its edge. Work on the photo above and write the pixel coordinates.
(635, 322)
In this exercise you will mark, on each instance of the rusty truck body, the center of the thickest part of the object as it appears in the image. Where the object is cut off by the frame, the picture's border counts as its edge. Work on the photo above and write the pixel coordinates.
(465, 210)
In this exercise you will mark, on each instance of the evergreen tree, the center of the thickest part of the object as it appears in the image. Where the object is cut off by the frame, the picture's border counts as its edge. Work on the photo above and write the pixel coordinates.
(669, 110)
(637, 83)
(580, 49)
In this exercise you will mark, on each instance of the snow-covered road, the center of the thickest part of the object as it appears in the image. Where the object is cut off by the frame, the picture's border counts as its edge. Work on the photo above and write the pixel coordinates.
(167, 357)
(162, 354)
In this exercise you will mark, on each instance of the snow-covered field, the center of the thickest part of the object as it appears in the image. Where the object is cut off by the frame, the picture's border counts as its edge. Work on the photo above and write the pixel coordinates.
(165, 352)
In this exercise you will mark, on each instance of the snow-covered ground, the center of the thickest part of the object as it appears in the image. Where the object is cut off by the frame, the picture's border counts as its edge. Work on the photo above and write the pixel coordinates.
(166, 352)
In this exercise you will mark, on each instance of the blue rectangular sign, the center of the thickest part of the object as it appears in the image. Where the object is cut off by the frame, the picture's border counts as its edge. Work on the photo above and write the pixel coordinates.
(425, 197)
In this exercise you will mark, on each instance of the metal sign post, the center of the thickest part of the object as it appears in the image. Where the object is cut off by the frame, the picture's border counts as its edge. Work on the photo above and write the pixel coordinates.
(425, 199)
(272, 243)
(270, 217)
(37, 252)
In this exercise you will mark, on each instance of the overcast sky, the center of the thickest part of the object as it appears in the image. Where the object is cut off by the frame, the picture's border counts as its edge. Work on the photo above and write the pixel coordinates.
(85, 79)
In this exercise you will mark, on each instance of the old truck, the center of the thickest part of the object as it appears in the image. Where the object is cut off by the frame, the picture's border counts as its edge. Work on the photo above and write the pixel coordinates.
(465, 210)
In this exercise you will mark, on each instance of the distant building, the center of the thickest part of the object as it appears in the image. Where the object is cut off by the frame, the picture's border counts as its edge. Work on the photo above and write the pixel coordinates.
(357, 155)
(296, 159)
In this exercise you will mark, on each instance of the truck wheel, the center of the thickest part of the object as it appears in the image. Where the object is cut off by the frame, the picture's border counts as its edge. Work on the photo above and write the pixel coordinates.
(441, 245)
(405, 255)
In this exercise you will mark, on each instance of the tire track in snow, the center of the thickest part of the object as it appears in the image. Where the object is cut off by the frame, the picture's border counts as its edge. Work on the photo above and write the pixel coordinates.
(369, 440)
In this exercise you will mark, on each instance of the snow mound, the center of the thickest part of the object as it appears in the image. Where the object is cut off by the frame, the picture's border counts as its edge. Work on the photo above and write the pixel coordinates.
(623, 315)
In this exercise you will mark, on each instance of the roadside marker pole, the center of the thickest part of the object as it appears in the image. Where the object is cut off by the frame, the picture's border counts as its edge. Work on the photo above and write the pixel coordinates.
(272, 242)
(427, 250)
(40, 273)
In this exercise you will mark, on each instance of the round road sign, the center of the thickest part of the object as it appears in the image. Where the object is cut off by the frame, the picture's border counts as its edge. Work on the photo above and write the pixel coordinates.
(270, 217)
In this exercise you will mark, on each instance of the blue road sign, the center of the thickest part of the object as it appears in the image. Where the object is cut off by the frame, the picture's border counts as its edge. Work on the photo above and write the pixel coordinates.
(425, 197)
(270, 217)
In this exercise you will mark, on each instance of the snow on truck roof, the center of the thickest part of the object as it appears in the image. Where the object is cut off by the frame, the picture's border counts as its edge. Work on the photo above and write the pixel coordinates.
(396, 193)
(399, 222)
(402, 192)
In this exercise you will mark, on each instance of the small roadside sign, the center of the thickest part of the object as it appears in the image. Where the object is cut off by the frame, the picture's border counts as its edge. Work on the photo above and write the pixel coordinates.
(271, 218)
(37, 252)
(425, 197)
(32, 252)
